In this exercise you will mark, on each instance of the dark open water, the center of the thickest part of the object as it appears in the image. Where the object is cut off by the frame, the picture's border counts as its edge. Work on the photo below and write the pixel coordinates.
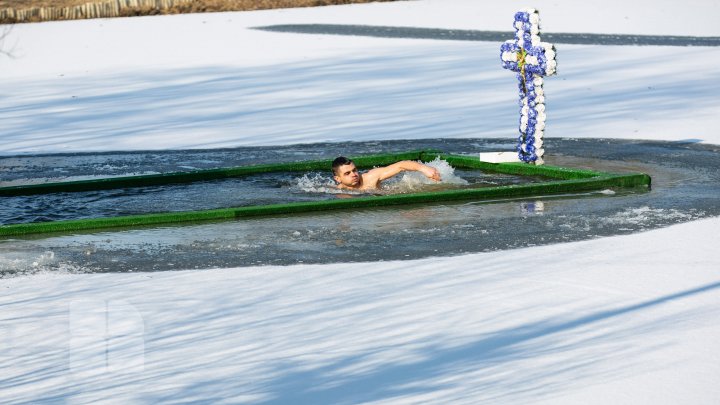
(686, 186)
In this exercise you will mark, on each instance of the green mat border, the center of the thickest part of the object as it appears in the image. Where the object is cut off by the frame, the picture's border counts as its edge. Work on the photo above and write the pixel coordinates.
(199, 175)
(565, 180)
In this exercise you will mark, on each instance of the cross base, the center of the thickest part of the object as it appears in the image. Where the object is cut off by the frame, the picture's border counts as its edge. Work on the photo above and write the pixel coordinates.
(500, 157)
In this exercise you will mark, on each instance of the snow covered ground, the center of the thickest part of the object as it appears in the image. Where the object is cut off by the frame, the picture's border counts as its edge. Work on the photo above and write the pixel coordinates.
(205, 81)
(630, 319)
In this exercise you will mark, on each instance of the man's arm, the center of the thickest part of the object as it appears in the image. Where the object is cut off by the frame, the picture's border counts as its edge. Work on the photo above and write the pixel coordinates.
(386, 172)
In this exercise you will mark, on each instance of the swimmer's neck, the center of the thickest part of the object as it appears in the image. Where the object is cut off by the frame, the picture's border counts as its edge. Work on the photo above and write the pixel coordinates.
(361, 186)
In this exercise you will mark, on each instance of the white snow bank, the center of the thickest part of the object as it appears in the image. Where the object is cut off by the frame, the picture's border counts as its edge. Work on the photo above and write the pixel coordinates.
(630, 319)
(207, 81)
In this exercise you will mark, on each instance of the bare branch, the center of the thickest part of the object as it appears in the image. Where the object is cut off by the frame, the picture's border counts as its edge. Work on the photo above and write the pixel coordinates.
(3, 36)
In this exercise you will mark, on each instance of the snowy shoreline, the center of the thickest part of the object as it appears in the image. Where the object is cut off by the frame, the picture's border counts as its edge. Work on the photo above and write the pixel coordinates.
(592, 322)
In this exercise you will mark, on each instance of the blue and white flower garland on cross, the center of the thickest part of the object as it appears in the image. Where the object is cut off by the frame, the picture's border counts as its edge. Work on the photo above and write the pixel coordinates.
(531, 59)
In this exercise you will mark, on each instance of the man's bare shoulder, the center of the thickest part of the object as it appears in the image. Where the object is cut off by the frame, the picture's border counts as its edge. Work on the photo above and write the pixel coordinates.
(371, 179)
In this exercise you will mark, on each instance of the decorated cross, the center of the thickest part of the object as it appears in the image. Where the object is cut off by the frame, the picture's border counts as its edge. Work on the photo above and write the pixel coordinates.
(532, 60)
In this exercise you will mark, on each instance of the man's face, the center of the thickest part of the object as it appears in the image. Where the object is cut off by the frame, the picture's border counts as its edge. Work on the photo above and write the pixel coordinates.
(348, 175)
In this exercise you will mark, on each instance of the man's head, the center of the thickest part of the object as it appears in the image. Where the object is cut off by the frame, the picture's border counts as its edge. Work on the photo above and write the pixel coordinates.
(345, 172)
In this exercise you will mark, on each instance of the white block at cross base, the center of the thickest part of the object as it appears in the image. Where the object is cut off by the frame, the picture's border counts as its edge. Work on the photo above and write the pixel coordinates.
(499, 157)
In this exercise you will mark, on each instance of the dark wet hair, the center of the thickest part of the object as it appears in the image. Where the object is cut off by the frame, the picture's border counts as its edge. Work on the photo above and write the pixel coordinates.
(340, 161)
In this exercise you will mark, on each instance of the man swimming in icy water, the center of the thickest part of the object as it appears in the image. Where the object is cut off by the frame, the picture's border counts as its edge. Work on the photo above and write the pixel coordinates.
(348, 178)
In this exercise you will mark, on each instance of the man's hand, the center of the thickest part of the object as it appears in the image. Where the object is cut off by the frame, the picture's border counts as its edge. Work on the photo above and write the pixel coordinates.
(431, 173)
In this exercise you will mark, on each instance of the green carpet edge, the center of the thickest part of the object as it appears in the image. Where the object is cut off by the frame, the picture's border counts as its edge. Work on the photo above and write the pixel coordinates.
(566, 180)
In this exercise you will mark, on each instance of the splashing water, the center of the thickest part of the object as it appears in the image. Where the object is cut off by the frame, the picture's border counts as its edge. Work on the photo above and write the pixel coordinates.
(416, 181)
(316, 183)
